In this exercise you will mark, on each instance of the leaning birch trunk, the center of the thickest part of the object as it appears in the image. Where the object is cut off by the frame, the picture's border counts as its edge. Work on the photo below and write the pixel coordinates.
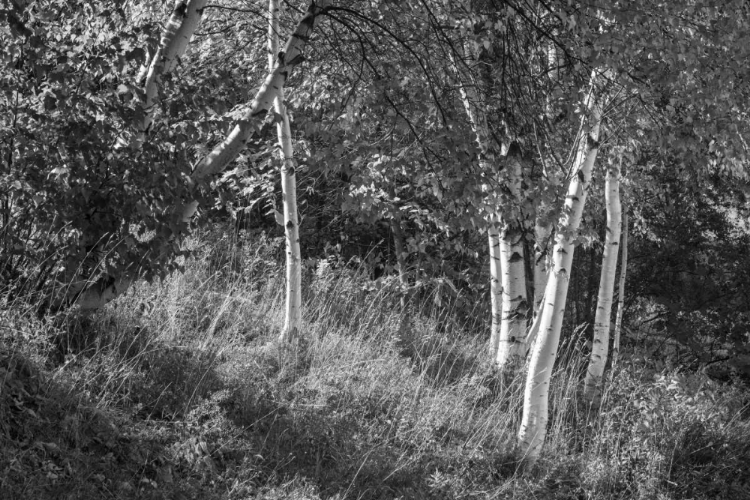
(293, 313)
(602, 320)
(621, 297)
(186, 17)
(536, 395)
(178, 32)
(496, 289)
(100, 293)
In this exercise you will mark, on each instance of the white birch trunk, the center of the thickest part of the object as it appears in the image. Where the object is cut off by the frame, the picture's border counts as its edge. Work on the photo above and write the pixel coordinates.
(507, 269)
(621, 291)
(96, 295)
(496, 295)
(293, 312)
(602, 320)
(536, 395)
(512, 341)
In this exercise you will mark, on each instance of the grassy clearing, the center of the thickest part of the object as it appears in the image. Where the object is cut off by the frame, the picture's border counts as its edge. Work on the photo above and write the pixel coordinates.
(179, 391)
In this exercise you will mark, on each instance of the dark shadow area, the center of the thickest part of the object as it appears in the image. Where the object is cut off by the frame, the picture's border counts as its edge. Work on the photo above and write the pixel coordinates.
(55, 444)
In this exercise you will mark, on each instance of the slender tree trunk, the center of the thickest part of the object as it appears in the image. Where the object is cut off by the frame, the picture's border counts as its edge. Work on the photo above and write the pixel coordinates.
(591, 287)
(293, 313)
(536, 395)
(496, 289)
(602, 321)
(621, 298)
(91, 296)
(507, 339)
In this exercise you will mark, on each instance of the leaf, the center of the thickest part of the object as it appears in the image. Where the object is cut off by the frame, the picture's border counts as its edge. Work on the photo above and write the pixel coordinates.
(58, 171)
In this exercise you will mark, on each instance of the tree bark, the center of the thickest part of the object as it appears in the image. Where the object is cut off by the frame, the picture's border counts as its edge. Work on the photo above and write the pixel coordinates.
(602, 321)
(536, 395)
(293, 311)
(512, 341)
(621, 291)
(496, 289)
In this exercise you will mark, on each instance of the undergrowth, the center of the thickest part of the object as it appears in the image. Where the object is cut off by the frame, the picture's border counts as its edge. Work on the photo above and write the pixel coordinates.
(178, 390)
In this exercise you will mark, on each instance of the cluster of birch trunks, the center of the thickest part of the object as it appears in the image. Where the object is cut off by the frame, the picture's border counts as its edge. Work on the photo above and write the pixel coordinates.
(512, 338)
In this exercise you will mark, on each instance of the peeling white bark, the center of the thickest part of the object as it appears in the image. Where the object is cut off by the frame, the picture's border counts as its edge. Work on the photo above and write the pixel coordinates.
(512, 341)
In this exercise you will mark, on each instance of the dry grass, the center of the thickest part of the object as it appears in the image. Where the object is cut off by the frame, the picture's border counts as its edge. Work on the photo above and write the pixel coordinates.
(179, 390)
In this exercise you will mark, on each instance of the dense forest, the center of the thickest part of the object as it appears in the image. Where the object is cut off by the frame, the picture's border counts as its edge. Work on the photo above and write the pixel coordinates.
(374, 249)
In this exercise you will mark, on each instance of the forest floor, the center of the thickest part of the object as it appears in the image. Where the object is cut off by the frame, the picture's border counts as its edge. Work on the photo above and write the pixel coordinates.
(179, 391)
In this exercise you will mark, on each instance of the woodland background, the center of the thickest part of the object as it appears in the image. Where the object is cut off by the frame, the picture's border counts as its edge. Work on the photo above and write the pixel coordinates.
(178, 386)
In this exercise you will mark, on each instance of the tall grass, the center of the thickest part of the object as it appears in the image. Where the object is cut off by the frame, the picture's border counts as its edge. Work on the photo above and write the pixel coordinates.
(189, 371)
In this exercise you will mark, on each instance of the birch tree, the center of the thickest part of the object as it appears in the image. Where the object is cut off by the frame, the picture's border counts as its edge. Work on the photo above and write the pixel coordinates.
(536, 394)
(602, 321)
(496, 289)
(293, 311)
(621, 289)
